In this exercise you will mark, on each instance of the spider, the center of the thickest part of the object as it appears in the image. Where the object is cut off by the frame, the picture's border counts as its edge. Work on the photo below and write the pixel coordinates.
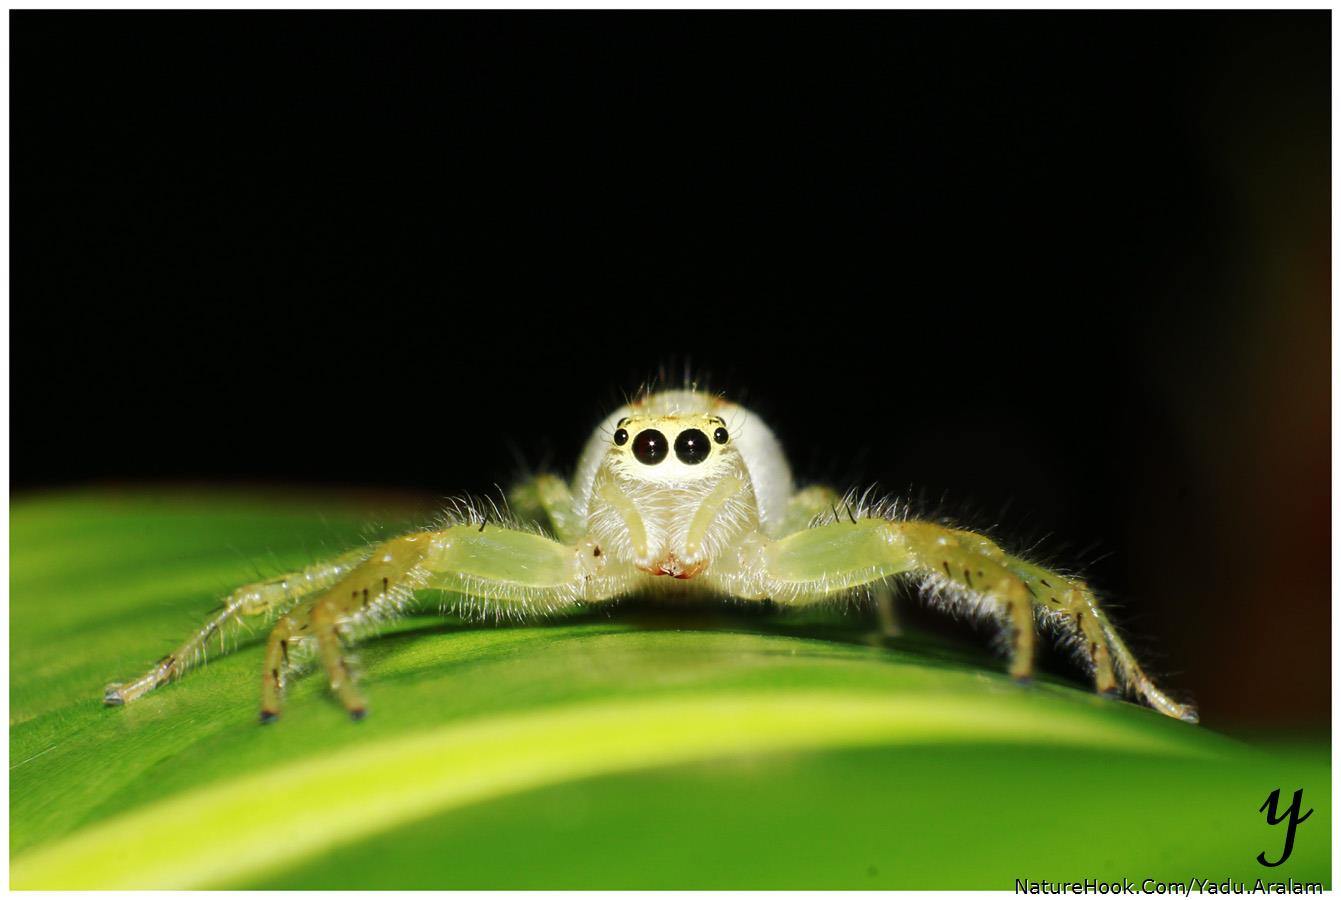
(677, 492)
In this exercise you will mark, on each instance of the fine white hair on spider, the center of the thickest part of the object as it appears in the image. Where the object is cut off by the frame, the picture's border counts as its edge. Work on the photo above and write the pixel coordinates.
(678, 492)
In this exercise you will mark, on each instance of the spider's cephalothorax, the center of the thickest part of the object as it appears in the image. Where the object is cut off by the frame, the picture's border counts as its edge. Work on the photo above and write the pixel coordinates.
(667, 485)
(678, 491)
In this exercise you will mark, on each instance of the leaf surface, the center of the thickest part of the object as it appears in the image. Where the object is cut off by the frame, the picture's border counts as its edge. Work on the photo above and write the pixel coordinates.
(691, 748)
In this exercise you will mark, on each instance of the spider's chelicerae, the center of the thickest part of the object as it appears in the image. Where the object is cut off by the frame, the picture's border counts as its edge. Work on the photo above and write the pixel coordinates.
(678, 491)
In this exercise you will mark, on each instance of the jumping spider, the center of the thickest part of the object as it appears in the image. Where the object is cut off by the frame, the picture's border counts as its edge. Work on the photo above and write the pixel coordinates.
(679, 491)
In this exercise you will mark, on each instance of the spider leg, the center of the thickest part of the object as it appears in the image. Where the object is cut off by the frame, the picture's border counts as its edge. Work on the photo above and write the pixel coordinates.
(247, 601)
(383, 582)
(806, 505)
(819, 500)
(492, 567)
(968, 570)
(959, 568)
(547, 500)
(1102, 646)
(808, 566)
(886, 610)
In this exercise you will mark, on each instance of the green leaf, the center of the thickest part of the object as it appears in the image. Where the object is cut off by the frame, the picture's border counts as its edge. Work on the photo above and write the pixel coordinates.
(692, 748)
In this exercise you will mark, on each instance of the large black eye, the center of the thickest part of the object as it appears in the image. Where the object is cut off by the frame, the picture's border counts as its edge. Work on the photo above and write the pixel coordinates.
(692, 447)
(621, 437)
(719, 435)
(649, 447)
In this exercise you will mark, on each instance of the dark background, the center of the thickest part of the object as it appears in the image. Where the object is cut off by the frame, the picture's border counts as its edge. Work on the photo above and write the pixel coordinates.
(1067, 274)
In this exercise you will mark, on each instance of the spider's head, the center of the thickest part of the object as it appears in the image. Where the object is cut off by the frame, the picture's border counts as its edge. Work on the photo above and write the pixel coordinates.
(672, 449)
(671, 491)
(669, 482)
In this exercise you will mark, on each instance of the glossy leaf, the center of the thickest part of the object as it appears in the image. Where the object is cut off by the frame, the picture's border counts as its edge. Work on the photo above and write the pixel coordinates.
(690, 748)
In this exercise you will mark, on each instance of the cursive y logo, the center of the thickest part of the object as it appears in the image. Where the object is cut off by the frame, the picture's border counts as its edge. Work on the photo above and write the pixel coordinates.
(1274, 818)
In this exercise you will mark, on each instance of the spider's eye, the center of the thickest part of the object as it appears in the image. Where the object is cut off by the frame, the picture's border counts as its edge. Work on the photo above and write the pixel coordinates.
(621, 437)
(649, 447)
(719, 435)
(692, 447)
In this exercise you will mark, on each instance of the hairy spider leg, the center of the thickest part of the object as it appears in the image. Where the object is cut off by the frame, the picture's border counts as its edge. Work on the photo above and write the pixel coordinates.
(963, 569)
(489, 567)
(809, 566)
(248, 601)
(1080, 614)
(810, 504)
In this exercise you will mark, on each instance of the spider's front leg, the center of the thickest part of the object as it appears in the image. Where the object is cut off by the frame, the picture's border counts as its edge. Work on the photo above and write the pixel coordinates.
(851, 552)
(817, 503)
(248, 601)
(1071, 604)
(494, 566)
(967, 569)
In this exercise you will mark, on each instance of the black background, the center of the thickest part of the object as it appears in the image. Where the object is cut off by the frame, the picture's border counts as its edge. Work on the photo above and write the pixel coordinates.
(1063, 273)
